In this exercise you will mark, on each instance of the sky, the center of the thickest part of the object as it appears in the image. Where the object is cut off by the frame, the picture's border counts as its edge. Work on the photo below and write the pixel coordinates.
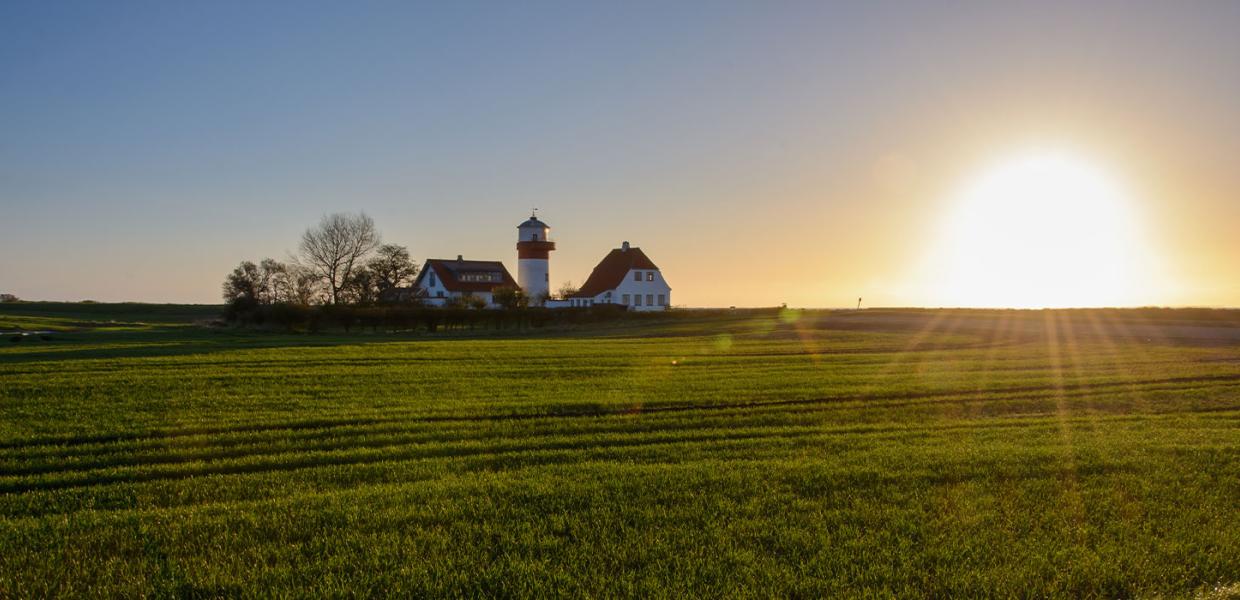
(759, 152)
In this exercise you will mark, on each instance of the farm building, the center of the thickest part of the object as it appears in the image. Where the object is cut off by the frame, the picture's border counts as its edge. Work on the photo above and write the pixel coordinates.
(628, 277)
(442, 280)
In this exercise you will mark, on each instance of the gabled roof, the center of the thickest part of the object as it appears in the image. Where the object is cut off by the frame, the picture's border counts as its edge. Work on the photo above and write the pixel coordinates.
(612, 270)
(450, 273)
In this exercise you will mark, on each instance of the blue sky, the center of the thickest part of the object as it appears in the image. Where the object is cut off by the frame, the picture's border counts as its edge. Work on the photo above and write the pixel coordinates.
(147, 147)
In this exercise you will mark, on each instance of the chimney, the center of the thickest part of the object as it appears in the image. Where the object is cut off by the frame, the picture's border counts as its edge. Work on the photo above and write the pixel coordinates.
(460, 257)
(624, 247)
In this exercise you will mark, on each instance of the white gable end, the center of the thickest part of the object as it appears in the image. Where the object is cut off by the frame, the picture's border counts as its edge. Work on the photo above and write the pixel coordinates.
(641, 289)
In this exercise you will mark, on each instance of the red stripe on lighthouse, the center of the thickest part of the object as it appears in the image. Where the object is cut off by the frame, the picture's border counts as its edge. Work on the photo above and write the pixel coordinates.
(535, 249)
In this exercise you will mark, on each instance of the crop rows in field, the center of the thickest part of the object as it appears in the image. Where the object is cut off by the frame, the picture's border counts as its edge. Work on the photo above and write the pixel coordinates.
(751, 458)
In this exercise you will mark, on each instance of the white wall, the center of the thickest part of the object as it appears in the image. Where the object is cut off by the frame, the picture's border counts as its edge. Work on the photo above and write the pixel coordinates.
(532, 234)
(424, 282)
(643, 287)
(533, 275)
(432, 293)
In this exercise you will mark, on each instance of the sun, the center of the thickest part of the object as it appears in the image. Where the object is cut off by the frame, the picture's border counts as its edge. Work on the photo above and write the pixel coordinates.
(1044, 229)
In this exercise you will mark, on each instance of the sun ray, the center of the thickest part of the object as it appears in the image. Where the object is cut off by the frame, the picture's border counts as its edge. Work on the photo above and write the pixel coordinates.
(1074, 353)
(1122, 368)
(996, 340)
(927, 328)
(1071, 492)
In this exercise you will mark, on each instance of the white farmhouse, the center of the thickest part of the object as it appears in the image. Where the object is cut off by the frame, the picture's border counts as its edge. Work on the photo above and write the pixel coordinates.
(441, 280)
(625, 276)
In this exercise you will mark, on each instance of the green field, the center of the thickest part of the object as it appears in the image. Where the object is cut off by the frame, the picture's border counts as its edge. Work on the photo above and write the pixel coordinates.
(802, 454)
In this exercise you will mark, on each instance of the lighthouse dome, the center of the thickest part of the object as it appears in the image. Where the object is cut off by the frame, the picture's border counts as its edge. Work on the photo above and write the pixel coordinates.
(533, 230)
(534, 223)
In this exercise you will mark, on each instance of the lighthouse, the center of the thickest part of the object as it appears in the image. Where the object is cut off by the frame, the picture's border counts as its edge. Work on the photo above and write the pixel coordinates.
(533, 250)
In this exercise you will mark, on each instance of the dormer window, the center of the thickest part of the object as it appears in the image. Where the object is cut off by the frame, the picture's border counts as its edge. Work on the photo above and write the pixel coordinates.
(479, 277)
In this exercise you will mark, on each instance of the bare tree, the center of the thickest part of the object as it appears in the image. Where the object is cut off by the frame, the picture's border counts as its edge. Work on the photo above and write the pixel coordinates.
(392, 267)
(289, 283)
(272, 283)
(304, 286)
(566, 289)
(334, 247)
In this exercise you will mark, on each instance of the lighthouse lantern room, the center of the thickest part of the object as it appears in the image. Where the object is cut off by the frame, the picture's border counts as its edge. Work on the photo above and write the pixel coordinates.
(533, 251)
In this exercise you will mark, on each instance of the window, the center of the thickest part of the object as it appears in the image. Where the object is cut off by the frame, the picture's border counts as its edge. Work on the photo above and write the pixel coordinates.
(479, 276)
(637, 275)
(662, 300)
(650, 276)
(649, 299)
(432, 279)
(535, 237)
(637, 299)
(439, 294)
(547, 277)
(624, 299)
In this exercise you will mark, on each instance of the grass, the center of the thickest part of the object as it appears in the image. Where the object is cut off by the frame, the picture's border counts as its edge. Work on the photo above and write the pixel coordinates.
(77, 316)
(884, 453)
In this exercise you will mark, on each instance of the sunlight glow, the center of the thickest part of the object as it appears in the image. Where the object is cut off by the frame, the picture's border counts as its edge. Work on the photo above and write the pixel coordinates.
(1044, 230)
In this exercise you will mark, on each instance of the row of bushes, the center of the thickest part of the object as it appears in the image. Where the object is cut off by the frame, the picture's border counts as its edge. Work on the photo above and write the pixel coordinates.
(329, 317)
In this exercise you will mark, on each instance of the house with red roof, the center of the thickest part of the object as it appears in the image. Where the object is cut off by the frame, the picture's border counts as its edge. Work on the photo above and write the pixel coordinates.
(443, 280)
(628, 277)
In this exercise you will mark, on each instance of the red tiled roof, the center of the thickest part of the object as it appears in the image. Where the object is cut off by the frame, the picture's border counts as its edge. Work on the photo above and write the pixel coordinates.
(449, 271)
(612, 270)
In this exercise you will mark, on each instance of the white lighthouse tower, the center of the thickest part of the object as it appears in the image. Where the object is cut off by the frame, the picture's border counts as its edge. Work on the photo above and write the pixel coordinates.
(533, 251)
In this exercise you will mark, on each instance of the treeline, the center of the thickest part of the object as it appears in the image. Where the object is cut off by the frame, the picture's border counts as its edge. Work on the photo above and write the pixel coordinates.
(340, 261)
(412, 317)
(343, 277)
